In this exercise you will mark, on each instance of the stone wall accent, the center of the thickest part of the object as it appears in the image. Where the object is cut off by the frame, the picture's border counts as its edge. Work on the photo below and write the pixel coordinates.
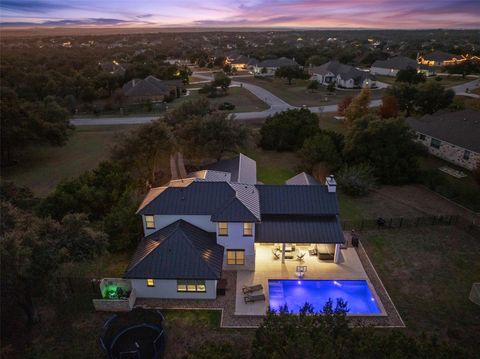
(450, 152)
(115, 305)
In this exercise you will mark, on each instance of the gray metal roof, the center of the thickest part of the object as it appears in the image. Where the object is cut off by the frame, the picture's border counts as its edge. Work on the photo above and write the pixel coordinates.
(177, 251)
(207, 198)
(302, 179)
(346, 72)
(242, 168)
(460, 128)
(298, 229)
(297, 200)
(438, 56)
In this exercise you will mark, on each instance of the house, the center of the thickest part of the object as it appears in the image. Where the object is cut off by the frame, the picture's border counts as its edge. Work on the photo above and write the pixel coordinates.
(238, 62)
(220, 219)
(440, 58)
(152, 89)
(113, 67)
(453, 136)
(391, 66)
(268, 67)
(345, 76)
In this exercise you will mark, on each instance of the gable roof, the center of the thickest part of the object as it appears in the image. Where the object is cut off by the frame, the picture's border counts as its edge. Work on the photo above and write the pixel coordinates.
(438, 56)
(279, 62)
(397, 63)
(150, 86)
(297, 200)
(206, 198)
(242, 168)
(177, 251)
(302, 179)
(460, 128)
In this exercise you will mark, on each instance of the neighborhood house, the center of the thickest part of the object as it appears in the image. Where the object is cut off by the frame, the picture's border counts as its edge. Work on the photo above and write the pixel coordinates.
(391, 66)
(345, 76)
(453, 136)
(152, 89)
(268, 67)
(440, 58)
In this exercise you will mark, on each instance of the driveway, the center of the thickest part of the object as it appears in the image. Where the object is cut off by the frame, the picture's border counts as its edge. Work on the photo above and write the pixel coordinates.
(462, 88)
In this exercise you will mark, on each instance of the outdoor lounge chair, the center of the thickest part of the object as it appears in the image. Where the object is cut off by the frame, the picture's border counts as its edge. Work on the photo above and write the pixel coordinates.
(252, 288)
(254, 298)
(276, 254)
(300, 256)
(325, 256)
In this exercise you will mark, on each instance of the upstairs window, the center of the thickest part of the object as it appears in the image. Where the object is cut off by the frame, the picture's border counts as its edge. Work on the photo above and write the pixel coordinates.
(150, 283)
(222, 228)
(150, 221)
(235, 256)
(248, 229)
(435, 143)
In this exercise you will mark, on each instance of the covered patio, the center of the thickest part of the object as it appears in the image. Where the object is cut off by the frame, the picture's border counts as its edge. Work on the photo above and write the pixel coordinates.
(268, 266)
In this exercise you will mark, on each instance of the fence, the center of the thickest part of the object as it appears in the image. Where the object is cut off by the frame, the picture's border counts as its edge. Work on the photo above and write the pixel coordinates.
(399, 222)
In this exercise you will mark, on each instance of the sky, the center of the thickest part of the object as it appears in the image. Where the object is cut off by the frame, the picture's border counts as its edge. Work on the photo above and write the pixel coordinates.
(398, 14)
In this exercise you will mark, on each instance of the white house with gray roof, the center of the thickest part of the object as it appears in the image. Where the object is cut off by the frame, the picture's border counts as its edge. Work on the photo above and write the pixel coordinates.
(342, 75)
(213, 221)
(268, 67)
(391, 66)
(452, 136)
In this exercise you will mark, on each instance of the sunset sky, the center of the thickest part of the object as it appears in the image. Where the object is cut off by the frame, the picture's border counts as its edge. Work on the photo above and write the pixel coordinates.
(403, 14)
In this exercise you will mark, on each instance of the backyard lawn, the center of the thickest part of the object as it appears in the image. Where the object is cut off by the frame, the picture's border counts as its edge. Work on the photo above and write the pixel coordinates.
(243, 100)
(428, 272)
(46, 166)
(297, 94)
(274, 167)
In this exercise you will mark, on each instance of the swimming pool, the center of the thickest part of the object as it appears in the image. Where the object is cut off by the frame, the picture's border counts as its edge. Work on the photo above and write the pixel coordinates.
(295, 293)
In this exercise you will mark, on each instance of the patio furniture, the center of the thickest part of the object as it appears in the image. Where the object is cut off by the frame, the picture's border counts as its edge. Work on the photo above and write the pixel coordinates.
(300, 256)
(288, 256)
(252, 288)
(326, 256)
(276, 254)
(254, 298)
(300, 271)
(290, 248)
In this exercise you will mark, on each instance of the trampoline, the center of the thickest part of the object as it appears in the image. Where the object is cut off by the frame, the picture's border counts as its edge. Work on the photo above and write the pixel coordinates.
(137, 334)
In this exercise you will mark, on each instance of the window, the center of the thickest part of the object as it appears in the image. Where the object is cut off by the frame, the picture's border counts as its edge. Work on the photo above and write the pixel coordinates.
(191, 286)
(223, 229)
(466, 155)
(248, 229)
(236, 256)
(435, 143)
(150, 283)
(422, 137)
(150, 221)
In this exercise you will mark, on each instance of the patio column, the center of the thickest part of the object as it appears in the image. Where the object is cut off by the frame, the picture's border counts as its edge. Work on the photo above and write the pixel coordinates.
(336, 257)
(283, 252)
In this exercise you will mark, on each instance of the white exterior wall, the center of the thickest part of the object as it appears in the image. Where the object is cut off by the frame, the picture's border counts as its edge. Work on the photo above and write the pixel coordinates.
(383, 71)
(236, 240)
(270, 71)
(451, 153)
(161, 221)
(167, 288)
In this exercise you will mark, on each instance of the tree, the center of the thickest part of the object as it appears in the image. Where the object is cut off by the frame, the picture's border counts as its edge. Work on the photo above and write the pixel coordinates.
(221, 80)
(313, 85)
(464, 68)
(287, 130)
(405, 94)
(144, 151)
(188, 110)
(431, 97)
(386, 145)
(212, 136)
(356, 180)
(410, 76)
(358, 107)
(343, 105)
(320, 148)
(331, 87)
(389, 107)
(290, 73)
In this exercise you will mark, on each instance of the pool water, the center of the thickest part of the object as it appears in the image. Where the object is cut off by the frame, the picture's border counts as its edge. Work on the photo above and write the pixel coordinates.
(295, 293)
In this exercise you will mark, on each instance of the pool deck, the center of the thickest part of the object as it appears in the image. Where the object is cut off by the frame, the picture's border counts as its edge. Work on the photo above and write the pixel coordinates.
(266, 267)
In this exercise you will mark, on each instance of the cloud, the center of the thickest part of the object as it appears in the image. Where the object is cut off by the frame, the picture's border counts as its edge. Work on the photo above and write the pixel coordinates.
(32, 6)
(67, 22)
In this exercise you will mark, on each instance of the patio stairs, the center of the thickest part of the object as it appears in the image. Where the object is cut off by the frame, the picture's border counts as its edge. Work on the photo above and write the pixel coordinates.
(275, 290)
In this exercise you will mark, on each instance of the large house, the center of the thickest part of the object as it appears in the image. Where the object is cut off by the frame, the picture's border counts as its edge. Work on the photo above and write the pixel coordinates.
(391, 66)
(220, 219)
(453, 136)
(440, 58)
(268, 67)
(152, 89)
(345, 76)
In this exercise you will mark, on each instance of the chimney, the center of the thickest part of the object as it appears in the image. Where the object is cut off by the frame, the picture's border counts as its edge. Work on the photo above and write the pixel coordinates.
(331, 184)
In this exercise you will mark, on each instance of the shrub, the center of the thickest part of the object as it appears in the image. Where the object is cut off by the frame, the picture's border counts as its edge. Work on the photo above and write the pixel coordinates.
(226, 106)
(356, 180)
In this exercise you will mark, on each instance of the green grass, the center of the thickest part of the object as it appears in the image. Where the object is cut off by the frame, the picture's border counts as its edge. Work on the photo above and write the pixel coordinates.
(449, 81)
(243, 100)
(45, 166)
(328, 122)
(428, 272)
(297, 94)
(107, 265)
(349, 208)
(386, 79)
(274, 167)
